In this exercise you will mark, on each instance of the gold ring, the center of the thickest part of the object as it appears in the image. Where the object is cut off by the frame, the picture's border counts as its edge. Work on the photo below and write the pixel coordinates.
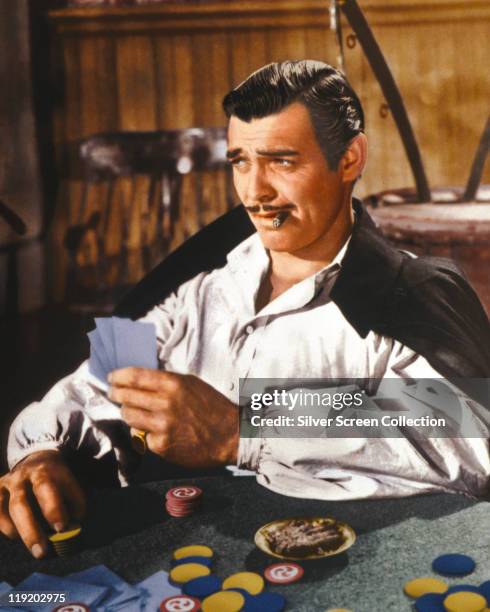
(138, 438)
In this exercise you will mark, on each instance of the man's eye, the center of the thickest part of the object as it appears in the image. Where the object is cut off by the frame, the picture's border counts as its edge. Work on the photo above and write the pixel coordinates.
(285, 163)
(238, 162)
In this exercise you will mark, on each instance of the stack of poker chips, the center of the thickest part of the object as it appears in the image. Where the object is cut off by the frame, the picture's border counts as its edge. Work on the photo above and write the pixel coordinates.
(183, 501)
(66, 542)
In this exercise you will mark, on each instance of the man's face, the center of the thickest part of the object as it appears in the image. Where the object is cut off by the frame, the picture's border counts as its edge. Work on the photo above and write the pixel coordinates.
(278, 165)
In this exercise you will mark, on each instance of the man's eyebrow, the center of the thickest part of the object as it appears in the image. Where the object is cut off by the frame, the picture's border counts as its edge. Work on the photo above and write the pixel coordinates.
(273, 153)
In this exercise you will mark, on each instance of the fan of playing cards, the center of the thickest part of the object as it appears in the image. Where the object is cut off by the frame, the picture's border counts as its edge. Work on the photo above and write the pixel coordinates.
(120, 343)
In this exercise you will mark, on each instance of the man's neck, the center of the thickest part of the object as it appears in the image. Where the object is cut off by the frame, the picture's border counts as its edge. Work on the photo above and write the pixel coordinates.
(287, 269)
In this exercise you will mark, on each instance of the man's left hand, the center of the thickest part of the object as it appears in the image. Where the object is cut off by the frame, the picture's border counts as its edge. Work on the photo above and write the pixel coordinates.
(187, 421)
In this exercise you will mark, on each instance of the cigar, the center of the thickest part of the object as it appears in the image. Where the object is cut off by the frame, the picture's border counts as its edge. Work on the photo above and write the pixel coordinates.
(279, 219)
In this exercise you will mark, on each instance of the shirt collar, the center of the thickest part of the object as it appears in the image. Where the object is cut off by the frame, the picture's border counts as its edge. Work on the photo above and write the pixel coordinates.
(248, 263)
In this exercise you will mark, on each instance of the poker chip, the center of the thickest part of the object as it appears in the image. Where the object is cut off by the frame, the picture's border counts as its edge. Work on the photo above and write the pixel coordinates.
(251, 582)
(195, 550)
(420, 586)
(430, 602)
(183, 501)
(283, 573)
(201, 560)
(203, 586)
(453, 565)
(188, 571)
(180, 603)
(72, 607)
(465, 602)
(66, 542)
(246, 595)
(223, 601)
(467, 588)
(484, 589)
(265, 602)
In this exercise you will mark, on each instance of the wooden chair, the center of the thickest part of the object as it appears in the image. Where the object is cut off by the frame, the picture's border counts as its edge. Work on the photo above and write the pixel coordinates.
(143, 194)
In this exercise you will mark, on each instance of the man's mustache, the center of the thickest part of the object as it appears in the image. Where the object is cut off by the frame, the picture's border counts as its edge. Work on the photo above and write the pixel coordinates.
(268, 208)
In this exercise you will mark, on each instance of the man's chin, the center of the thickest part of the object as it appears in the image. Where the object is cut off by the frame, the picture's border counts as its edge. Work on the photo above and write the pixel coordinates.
(279, 240)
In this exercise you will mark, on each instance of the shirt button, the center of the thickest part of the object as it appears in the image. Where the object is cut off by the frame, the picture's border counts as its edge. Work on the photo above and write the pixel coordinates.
(249, 329)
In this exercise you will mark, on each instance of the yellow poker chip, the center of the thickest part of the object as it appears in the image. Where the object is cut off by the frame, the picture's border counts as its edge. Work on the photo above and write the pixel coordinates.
(465, 601)
(196, 550)
(66, 542)
(421, 586)
(249, 581)
(62, 536)
(188, 571)
(223, 601)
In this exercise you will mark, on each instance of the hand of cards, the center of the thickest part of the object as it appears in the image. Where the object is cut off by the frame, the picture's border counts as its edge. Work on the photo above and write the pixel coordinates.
(120, 343)
(96, 588)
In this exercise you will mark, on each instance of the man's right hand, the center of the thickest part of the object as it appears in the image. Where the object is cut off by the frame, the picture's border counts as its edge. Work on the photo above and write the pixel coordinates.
(42, 477)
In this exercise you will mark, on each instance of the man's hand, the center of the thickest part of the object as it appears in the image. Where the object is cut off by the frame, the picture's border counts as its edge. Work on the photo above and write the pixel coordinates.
(41, 479)
(188, 421)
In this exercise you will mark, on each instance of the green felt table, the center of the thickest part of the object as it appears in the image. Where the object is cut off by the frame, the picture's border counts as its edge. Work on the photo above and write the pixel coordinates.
(129, 531)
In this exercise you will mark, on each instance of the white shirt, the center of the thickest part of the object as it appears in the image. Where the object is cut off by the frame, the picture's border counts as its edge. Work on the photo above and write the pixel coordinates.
(210, 328)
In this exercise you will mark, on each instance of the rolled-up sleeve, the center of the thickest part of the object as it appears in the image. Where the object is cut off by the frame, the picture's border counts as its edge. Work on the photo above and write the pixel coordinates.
(76, 416)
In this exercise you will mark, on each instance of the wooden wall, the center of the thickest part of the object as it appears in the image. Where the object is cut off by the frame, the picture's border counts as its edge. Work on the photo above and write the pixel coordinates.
(168, 66)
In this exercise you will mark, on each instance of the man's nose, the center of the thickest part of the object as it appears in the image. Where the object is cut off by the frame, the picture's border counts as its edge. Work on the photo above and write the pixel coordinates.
(258, 189)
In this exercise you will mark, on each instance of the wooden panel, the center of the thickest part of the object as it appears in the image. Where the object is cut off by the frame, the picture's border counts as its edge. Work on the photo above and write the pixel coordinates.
(136, 83)
(168, 66)
(236, 14)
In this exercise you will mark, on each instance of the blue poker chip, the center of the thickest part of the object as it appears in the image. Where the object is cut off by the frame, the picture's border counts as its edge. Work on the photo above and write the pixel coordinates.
(203, 586)
(453, 565)
(467, 588)
(207, 561)
(430, 602)
(484, 589)
(265, 602)
(246, 595)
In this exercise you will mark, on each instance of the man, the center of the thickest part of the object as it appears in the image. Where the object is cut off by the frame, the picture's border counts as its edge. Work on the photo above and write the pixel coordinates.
(308, 295)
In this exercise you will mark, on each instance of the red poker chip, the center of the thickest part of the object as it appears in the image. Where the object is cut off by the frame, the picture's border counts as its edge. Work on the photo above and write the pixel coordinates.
(174, 504)
(283, 573)
(72, 607)
(179, 512)
(186, 493)
(180, 603)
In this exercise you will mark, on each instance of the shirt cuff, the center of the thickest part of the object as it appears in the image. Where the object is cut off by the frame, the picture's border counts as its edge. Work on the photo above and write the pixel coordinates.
(18, 455)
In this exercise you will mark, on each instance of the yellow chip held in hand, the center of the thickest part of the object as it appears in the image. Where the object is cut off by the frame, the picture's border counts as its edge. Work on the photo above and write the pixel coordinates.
(421, 586)
(197, 550)
(223, 601)
(249, 581)
(465, 601)
(188, 571)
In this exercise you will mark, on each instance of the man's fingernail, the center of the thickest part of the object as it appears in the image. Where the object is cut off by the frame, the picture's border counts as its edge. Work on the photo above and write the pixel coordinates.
(37, 551)
(58, 527)
(109, 377)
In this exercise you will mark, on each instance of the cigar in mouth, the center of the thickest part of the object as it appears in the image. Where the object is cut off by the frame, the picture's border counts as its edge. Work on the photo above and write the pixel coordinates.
(279, 219)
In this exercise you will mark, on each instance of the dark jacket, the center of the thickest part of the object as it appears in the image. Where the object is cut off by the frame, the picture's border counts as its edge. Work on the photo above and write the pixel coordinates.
(425, 303)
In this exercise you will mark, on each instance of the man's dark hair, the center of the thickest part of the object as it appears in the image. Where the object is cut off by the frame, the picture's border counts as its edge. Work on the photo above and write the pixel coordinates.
(335, 110)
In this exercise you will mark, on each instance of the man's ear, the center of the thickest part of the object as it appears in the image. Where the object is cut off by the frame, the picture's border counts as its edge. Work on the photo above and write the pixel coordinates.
(354, 159)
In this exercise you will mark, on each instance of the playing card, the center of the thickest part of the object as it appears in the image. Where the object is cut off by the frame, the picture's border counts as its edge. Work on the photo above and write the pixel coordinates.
(136, 344)
(97, 369)
(120, 592)
(97, 344)
(87, 594)
(105, 328)
(155, 588)
(4, 587)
